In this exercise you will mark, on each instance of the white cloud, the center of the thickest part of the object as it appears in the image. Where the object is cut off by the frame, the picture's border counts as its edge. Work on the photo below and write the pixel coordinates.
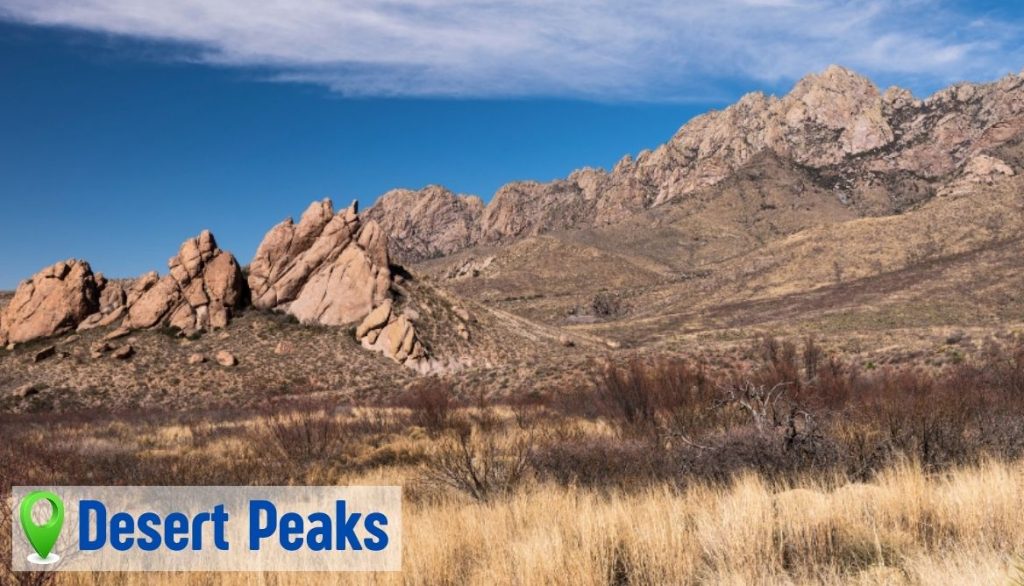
(601, 49)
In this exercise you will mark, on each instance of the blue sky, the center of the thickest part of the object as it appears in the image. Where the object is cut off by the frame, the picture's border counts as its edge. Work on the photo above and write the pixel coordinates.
(129, 125)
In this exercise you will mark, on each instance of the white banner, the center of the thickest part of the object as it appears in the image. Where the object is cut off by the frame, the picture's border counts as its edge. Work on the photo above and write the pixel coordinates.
(208, 529)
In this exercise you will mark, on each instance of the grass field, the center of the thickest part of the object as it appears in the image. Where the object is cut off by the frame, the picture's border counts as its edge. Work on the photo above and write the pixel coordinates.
(907, 527)
(802, 471)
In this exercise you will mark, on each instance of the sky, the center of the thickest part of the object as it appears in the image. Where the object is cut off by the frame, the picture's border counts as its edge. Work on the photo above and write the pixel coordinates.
(127, 126)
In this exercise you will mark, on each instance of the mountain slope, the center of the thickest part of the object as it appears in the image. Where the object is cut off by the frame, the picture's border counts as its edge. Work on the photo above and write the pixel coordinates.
(879, 152)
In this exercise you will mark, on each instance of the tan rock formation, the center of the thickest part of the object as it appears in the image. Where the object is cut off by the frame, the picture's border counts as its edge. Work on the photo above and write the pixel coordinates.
(394, 336)
(330, 269)
(203, 287)
(54, 301)
(334, 269)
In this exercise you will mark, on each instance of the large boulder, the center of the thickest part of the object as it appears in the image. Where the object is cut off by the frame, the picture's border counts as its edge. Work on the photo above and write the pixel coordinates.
(334, 269)
(204, 286)
(329, 269)
(54, 301)
(386, 331)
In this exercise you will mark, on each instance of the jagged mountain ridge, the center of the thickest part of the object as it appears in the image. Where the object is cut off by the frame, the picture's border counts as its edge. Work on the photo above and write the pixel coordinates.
(879, 152)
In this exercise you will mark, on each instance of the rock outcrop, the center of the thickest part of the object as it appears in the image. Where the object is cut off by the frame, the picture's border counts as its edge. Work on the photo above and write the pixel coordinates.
(334, 269)
(393, 335)
(203, 287)
(112, 305)
(426, 223)
(329, 269)
(879, 152)
(54, 301)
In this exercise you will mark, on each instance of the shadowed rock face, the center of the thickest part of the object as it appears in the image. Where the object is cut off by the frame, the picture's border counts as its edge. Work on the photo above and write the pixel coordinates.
(873, 148)
(52, 302)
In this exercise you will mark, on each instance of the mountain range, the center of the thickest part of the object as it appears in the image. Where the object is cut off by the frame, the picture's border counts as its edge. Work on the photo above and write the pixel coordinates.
(883, 224)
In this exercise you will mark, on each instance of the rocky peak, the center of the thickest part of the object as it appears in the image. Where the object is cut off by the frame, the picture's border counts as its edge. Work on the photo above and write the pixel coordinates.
(330, 269)
(836, 122)
(426, 223)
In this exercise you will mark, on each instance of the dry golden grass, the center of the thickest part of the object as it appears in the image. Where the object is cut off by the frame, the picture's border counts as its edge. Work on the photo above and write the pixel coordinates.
(600, 502)
(964, 527)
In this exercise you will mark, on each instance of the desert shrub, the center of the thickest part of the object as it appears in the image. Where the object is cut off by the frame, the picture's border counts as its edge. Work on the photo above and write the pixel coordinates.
(304, 433)
(605, 305)
(1003, 369)
(603, 461)
(778, 362)
(628, 395)
(431, 403)
(812, 355)
(480, 464)
(777, 454)
(663, 396)
(832, 387)
(913, 414)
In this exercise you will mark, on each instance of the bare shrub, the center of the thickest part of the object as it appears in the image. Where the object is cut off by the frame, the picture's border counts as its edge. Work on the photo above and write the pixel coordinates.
(779, 363)
(911, 413)
(604, 461)
(305, 433)
(628, 394)
(765, 406)
(431, 404)
(1004, 369)
(771, 453)
(480, 464)
(813, 355)
(664, 397)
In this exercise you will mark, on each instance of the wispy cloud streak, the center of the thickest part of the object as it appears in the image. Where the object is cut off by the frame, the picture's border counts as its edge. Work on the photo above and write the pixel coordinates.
(597, 49)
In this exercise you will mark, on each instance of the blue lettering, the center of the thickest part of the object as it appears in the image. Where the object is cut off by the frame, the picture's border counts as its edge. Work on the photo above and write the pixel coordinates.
(122, 526)
(346, 527)
(319, 536)
(257, 530)
(85, 542)
(176, 531)
(220, 518)
(373, 523)
(148, 523)
(291, 528)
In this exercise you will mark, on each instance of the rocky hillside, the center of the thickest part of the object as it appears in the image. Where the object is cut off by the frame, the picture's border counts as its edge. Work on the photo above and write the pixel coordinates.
(878, 152)
(329, 269)
(882, 224)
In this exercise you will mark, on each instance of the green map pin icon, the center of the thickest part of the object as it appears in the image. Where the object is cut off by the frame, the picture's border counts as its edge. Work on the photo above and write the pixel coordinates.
(42, 537)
